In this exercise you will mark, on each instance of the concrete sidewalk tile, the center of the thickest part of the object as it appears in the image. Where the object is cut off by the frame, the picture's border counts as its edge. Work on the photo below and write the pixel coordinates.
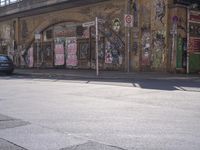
(34, 137)
(8, 122)
(6, 145)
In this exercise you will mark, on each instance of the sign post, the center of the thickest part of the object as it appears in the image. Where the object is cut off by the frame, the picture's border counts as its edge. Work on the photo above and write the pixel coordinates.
(128, 20)
(95, 23)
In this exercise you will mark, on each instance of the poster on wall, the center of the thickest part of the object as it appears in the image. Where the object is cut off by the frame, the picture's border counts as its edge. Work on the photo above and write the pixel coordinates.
(59, 55)
(30, 57)
(71, 50)
(194, 34)
(194, 45)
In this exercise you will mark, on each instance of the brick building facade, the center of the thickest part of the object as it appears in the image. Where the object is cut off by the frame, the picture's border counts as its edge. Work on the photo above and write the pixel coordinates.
(51, 34)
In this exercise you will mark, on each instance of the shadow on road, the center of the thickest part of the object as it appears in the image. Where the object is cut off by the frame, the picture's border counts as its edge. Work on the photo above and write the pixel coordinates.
(155, 84)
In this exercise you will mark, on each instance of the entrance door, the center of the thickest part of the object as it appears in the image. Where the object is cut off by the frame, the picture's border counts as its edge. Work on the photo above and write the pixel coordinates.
(84, 54)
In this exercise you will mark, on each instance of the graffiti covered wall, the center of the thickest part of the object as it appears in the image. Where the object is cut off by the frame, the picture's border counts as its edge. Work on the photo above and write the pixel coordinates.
(153, 34)
(7, 38)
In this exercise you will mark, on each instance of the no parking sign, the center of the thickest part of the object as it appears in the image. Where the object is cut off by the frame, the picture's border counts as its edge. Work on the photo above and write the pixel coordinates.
(128, 19)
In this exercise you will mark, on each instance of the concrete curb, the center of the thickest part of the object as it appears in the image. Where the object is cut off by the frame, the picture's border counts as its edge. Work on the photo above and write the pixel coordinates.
(103, 75)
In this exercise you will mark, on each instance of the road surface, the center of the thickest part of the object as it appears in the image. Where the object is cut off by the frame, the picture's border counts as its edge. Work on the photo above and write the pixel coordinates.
(50, 114)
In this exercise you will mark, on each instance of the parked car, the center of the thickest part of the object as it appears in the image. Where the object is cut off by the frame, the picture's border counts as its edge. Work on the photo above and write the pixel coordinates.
(6, 64)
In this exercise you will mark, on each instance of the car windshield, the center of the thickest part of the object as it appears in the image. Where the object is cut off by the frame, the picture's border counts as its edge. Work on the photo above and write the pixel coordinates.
(4, 58)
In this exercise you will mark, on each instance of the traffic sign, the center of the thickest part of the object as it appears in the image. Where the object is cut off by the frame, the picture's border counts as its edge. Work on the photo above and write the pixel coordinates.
(128, 19)
(88, 24)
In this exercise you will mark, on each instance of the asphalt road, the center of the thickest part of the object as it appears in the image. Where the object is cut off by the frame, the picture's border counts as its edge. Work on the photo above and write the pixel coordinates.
(68, 114)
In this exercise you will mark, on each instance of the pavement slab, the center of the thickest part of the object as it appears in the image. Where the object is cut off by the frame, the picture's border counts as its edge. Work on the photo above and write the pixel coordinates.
(8, 122)
(33, 137)
(6, 145)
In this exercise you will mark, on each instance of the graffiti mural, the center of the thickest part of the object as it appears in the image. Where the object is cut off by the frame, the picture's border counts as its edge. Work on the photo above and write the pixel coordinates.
(158, 44)
(116, 24)
(160, 10)
(146, 45)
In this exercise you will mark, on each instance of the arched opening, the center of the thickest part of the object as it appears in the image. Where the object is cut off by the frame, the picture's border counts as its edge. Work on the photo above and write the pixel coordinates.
(70, 45)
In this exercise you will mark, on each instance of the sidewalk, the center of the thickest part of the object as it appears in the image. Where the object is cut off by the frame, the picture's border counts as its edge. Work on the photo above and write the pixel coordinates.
(113, 75)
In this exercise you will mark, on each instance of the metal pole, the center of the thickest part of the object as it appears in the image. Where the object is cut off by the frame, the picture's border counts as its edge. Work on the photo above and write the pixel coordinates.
(97, 47)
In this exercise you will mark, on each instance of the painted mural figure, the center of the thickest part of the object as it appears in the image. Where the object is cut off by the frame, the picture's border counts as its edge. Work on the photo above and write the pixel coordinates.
(146, 45)
(116, 24)
(160, 10)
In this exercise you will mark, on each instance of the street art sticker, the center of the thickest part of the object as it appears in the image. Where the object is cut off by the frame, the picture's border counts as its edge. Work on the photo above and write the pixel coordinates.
(116, 24)
(160, 10)
(71, 47)
(59, 54)
(146, 45)
(158, 48)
